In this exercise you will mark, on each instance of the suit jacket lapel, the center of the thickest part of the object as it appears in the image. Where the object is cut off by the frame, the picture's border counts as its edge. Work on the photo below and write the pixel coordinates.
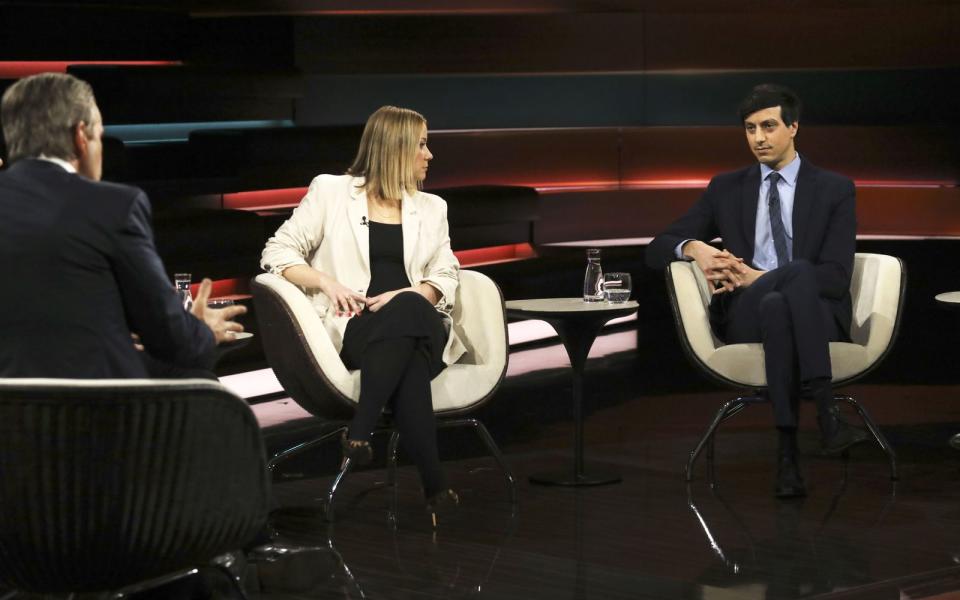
(411, 230)
(749, 195)
(358, 217)
(803, 199)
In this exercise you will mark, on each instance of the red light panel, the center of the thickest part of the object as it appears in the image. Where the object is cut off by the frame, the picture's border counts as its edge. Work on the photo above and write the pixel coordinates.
(265, 199)
(494, 254)
(233, 289)
(18, 69)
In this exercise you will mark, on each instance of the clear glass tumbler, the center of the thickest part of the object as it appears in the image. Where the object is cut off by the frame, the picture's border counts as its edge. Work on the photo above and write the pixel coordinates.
(617, 287)
(182, 282)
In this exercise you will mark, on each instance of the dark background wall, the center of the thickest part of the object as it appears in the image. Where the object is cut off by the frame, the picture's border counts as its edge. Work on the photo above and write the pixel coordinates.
(617, 112)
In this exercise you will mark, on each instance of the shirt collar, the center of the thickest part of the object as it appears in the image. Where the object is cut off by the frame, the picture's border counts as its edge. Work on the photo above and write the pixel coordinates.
(788, 174)
(58, 161)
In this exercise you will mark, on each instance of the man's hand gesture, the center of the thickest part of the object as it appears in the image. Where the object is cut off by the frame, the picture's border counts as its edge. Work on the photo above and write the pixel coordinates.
(722, 268)
(219, 320)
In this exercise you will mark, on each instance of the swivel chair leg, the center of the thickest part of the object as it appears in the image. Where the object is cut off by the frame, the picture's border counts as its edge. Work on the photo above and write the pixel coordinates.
(708, 437)
(711, 464)
(484, 434)
(281, 456)
(875, 432)
(730, 409)
(328, 507)
(149, 584)
(491, 445)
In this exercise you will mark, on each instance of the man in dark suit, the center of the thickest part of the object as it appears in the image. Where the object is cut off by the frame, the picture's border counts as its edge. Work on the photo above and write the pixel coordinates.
(788, 230)
(81, 273)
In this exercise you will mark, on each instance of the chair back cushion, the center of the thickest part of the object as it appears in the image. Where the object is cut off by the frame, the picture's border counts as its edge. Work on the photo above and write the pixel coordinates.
(108, 482)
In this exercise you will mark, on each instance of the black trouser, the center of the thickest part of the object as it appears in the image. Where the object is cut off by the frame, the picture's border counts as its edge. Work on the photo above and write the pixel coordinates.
(784, 311)
(397, 370)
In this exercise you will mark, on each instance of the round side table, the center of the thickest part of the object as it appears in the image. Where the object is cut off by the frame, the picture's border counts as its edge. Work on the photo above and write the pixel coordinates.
(950, 301)
(577, 323)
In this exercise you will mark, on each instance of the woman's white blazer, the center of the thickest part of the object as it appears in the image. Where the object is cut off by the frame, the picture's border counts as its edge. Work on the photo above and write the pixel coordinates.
(328, 232)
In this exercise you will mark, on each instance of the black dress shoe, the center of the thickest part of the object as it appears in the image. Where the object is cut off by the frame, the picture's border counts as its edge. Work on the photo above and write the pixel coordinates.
(838, 435)
(789, 480)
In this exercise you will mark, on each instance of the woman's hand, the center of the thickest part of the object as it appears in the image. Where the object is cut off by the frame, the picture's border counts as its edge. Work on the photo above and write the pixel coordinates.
(343, 300)
(424, 289)
(379, 301)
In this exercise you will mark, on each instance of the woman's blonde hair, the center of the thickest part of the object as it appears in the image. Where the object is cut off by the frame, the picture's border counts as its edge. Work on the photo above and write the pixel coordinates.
(387, 153)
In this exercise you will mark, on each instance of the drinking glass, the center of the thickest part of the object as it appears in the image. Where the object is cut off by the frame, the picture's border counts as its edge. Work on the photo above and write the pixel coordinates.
(182, 282)
(219, 302)
(616, 287)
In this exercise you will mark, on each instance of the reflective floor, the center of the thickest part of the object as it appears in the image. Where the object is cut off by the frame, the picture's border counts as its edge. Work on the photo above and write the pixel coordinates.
(857, 535)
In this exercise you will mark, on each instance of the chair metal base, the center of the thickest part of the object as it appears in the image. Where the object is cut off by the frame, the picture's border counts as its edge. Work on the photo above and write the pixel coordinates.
(732, 407)
(567, 478)
(224, 564)
(392, 451)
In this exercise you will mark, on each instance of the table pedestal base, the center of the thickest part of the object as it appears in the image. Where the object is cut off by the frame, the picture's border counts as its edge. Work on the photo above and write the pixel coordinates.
(577, 324)
(570, 479)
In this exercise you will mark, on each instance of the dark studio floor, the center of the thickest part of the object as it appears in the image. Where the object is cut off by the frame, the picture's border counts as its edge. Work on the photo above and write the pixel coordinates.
(857, 535)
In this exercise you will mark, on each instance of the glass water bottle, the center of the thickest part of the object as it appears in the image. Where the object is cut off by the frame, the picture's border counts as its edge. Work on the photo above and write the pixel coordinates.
(593, 279)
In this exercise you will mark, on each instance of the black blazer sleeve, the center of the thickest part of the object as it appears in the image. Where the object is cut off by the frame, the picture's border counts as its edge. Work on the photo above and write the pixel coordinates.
(699, 223)
(152, 307)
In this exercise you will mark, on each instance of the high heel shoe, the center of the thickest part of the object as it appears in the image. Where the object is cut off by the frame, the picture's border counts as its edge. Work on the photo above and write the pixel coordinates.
(443, 504)
(359, 452)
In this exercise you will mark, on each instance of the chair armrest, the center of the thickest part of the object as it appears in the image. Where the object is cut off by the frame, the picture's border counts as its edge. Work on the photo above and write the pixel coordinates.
(876, 290)
(310, 325)
(478, 318)
(687, 288)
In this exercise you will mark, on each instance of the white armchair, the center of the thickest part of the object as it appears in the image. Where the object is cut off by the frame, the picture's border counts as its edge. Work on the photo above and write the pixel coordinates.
(309, 368)
(877, 287)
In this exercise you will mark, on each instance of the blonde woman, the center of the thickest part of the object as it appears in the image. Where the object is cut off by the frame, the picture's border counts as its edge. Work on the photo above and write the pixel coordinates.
(375, 253)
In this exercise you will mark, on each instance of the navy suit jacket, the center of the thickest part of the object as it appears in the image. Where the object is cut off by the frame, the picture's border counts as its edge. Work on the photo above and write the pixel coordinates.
(824, 229)
(81, 272)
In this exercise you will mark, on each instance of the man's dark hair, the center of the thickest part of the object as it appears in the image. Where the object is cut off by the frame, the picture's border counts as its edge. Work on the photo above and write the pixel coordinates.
(767, 95)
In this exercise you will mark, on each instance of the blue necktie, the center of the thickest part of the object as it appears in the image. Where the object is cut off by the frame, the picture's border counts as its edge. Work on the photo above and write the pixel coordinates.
(776, 221)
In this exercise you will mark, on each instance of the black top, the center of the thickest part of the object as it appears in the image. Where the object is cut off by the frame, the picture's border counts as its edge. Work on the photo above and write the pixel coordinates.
(408, 315)
(386, 258)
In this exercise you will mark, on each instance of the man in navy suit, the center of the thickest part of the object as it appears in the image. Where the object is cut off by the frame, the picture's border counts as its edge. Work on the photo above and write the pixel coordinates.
(788, 230)
(79, 266)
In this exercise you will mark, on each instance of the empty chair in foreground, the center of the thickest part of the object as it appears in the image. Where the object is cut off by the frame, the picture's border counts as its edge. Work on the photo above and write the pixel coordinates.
(121, 485)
